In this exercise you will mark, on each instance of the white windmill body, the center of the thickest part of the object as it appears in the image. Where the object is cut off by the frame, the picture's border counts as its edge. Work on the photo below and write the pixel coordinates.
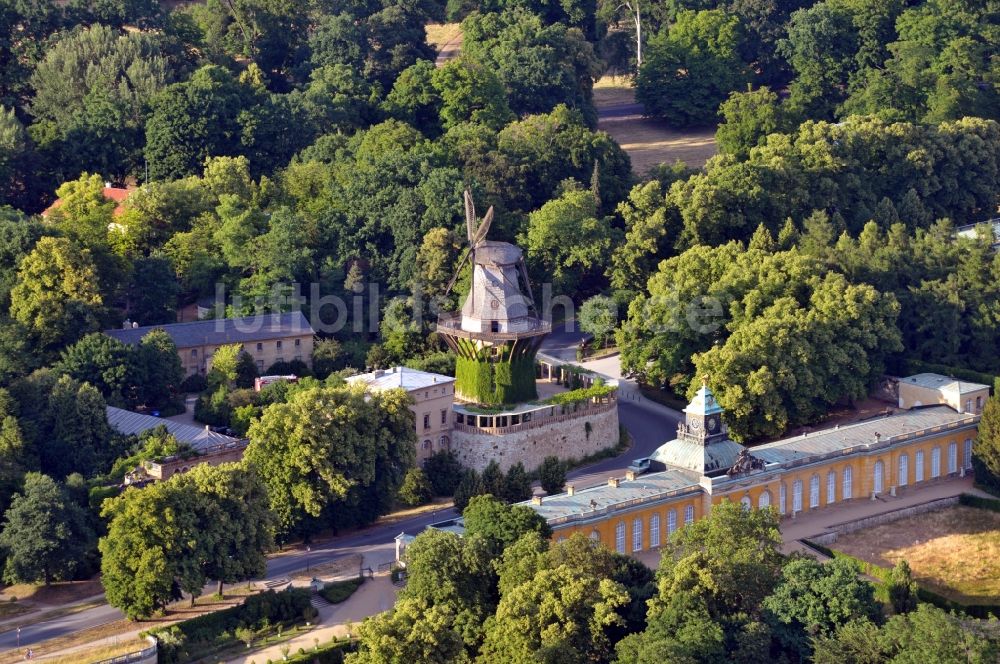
(495, 303)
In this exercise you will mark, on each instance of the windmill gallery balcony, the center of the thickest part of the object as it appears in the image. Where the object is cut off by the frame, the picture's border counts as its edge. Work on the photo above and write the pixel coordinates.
(451, 324)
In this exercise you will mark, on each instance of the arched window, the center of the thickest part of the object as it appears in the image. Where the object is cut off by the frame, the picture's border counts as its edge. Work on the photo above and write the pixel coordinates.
(935, 462)
(814, 492)
(689, 515)
(427, 444)
(444, 443)
(620, 537)
(967, 460)
(879, 476)
(796, 496)
(654, 531)
(918, 462)
(781, 498)
(952, 457)
(671, 522)
(764, 500)
(637, 535)
(831, 487)
(904, 470)
(847, 491)
(746, 503)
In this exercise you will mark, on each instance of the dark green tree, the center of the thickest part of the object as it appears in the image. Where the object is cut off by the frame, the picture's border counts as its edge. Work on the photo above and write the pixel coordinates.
(444, 472)
(986, 446)
(692, 68)
(816, 598)
(45, 535)
(501, 525)
(552, 474)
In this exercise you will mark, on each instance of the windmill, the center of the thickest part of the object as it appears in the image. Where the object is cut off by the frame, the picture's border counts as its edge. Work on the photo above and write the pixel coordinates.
(497, 323)
(477, 239)
(476, 235)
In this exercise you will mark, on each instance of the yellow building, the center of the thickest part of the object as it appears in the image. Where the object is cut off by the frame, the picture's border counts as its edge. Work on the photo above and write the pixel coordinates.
(433, 397)
(701, 467)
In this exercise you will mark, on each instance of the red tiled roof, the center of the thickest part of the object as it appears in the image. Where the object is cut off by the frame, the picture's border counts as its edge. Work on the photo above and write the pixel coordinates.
(116, 194)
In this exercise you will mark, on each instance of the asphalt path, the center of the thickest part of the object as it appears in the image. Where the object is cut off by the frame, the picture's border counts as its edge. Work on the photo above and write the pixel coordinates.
(648, 424)
(620, 111)
(67, 624)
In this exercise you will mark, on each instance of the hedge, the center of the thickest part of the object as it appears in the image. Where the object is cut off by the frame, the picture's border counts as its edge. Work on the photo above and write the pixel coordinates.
(195, 638)
(332, 653)
(991, 504)
(338, 591)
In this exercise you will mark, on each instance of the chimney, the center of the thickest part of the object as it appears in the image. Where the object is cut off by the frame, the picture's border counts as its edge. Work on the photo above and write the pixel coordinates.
(629, 475)
(614, 482)
(107, 185)
(570, 490)
(536, 500)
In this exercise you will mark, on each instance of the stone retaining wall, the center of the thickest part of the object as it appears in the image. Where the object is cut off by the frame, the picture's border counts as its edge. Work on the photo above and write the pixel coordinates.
(826, 539)
(573, 435)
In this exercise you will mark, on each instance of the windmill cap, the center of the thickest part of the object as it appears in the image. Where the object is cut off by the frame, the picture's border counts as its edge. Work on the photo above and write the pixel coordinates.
(497, 253)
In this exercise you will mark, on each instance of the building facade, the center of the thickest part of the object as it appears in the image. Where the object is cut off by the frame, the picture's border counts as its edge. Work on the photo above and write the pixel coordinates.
(268, 338)
(433, 398)
(900, 452)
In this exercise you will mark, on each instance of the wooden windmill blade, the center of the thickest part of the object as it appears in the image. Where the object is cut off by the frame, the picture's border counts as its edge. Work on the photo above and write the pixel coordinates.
(484, 228)
(458, 270)
(470, 217)
(523, 269)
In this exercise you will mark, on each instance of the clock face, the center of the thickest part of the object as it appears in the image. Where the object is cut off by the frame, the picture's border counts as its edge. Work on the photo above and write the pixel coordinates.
(695, 424)
(712, 424)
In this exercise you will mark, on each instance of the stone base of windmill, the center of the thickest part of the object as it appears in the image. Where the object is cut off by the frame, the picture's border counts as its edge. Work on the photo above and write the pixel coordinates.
(571, 431)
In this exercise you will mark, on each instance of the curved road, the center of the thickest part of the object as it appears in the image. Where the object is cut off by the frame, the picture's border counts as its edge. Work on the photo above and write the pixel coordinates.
(649, 425)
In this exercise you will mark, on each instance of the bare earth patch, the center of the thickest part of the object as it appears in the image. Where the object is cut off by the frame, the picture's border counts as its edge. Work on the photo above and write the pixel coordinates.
(446, 38)
(953, 551)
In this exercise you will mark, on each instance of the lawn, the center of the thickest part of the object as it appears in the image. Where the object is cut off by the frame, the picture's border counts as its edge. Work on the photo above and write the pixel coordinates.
(648, 142)
(953, 551)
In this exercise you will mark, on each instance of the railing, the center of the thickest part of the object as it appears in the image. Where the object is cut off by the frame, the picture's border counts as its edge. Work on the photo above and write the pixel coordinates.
(624, 504)
(453, 325)
(201, 452)
(542, 421)
(137, 656)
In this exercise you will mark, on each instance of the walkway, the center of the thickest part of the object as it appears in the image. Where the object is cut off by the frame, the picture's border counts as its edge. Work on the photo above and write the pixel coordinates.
(810, 524)
(374, 596)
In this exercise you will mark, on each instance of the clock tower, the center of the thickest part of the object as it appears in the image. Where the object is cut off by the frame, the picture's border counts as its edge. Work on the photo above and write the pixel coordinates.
(703, 418)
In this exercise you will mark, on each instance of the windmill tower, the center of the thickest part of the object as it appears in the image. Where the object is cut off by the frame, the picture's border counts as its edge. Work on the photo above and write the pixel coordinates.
(498, 331)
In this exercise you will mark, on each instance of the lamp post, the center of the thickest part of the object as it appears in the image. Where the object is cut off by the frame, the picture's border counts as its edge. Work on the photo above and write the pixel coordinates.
(308, 551)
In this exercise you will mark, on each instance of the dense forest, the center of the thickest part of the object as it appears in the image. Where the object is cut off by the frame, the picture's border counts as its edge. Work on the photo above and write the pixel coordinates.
(273, 143)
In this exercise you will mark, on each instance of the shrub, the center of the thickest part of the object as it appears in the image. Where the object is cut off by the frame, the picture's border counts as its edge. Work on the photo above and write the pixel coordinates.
(416, 489)
(194, 383)
(295, 367)
(338, 591)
